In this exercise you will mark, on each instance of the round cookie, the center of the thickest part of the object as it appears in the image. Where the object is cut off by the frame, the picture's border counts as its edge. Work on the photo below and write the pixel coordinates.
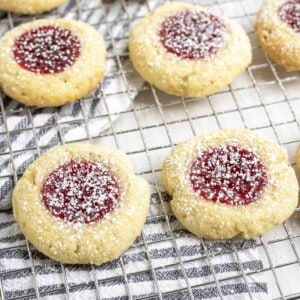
(186, 51)
(81, 203)
(51, 62)
(30, 7)
(278, 32)
(230, 183)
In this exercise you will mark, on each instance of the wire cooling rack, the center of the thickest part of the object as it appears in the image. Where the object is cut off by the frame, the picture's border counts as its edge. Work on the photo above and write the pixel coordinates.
(165, 262)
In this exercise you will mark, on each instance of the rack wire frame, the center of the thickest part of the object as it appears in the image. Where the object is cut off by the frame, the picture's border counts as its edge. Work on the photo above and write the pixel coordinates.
(188, 289)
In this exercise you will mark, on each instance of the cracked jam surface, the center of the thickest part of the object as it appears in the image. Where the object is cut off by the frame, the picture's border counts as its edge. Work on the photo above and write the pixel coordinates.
(193, 35)
(81, 192)
(228, 174)
(46, 49)
(289, 12)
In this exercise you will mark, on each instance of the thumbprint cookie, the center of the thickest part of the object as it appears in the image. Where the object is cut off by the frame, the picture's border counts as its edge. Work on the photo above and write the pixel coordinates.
(81, 204)
(51, 62)
(184, 50)
(230, 183)
(29, 7)
(278, 32)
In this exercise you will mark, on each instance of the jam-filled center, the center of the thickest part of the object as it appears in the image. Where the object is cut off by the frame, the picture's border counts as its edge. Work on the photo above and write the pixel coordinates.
(289, 12)
(46, 49)
(193, 35)
(81, 192)
(228, 174)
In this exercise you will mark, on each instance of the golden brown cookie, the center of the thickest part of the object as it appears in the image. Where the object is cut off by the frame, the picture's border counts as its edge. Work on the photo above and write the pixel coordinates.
(81, 203)
(184, 50)
(51, 62)
(230, 183)
(278, 31)
(29, 6)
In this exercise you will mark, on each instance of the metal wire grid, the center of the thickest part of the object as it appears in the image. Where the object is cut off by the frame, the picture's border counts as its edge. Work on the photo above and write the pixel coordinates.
(158, 103)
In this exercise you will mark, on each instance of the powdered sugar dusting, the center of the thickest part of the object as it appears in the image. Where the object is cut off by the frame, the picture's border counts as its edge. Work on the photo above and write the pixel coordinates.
(289, 12)
(46, 49)
(228, 174)
(193, 35)
(81, 192)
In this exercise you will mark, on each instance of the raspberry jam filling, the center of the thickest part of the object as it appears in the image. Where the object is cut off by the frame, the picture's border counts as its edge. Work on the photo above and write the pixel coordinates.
(46, 49)
(193, 35)
(81, 192)
(289, 12)
(228, 174)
